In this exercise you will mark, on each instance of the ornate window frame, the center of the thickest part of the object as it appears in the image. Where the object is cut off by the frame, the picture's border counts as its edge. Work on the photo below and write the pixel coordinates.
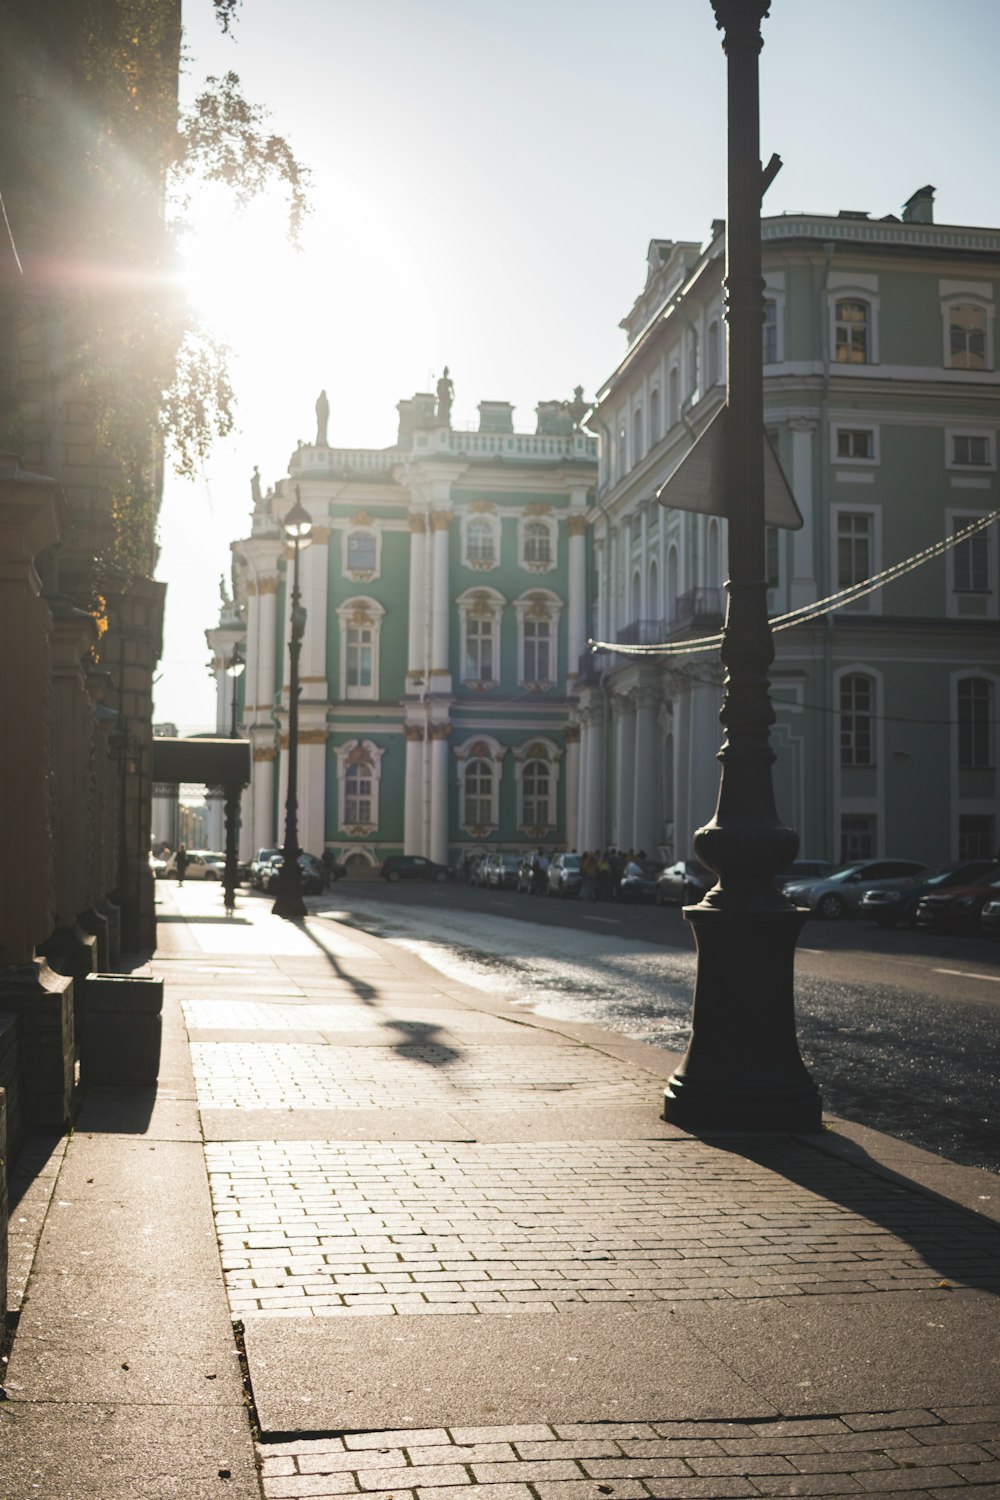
(480, 749)
(543, 606)
(538, 749)
(537, 515)
(480, 604)
(361, 523)
(358, 753)
(861, 288)
(360, 612)
(475, 517)
(977, 295)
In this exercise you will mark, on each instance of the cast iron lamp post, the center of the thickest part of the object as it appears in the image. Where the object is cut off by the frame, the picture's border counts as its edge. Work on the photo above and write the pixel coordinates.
(742, 1069)
(234, 670)
(297, 524)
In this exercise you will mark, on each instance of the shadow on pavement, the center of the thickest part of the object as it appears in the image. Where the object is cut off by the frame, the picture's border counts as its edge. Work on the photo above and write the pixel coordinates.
(418, 1044)
(960, 1245)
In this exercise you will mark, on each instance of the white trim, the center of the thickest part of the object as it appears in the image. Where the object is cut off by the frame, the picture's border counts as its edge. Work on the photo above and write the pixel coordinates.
(364, 528)
(855, 288)
(839, 426)
(485, 512)
(551, 524)
(974, 294)
(491, 752)
(538, 749)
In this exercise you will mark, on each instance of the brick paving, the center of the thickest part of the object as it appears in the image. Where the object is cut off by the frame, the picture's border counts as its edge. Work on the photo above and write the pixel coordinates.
(915, 1453)
(322, 1227)
(284, 1075)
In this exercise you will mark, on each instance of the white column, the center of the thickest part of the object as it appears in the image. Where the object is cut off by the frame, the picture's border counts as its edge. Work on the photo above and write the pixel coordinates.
(624, 769)
(573, 758)
(262, 815)
(262, 644)
(312, 789)
(647, 816)
(246, 844)
(413, 808)
(439, 747)
(314, 568)
(439, 603)
(594, 794)
(576, 527)
(416, 663)
(577, 842)
(803, 588)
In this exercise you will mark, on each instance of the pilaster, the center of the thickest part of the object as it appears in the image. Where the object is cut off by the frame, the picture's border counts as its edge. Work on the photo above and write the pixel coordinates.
(803, 588)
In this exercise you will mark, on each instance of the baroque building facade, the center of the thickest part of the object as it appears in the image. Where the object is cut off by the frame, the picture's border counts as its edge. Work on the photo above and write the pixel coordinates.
(881, 402)
(445, 591)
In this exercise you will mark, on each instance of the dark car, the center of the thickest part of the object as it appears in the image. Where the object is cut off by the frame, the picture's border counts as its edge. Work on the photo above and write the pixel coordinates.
(683, 883)
(989, 917)
(264, 857)
(958, 909)
(311, 879)
(564, 875)
(640, 887)
(805, 869)
(413, 867)
(899, 908)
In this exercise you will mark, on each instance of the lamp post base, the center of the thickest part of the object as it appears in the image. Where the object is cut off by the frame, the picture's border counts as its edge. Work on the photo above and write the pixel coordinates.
(289, 904)
(742, 1069)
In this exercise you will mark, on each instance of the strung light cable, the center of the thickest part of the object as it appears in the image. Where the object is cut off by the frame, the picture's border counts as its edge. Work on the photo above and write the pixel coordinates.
(820, 607)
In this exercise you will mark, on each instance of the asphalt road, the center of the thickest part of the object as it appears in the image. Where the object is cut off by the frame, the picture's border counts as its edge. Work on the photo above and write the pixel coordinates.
(901, 1030)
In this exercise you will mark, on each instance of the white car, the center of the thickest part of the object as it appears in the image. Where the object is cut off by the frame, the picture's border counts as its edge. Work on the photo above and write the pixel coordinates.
(202, 864)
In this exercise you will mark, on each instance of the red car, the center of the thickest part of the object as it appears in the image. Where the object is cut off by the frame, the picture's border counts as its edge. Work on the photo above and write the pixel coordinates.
(958, 909)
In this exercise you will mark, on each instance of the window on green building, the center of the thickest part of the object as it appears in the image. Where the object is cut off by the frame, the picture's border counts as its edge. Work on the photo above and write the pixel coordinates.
(537, 651)
(479, 653)
(358, 794)
(360, 647)
(536, 782)
(970, 449)
(970, 559)
(852, 332)
(855, 442)
(975, 716)
(967, 336)
(479, 794)
(857, 837)
(977, 837)
(854, 548)
(857, 694)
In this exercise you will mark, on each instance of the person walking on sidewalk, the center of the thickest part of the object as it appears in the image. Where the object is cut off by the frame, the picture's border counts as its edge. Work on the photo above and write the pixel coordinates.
(181, 862)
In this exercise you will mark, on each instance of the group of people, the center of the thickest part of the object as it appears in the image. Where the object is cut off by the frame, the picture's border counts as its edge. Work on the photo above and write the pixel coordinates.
(601, 872)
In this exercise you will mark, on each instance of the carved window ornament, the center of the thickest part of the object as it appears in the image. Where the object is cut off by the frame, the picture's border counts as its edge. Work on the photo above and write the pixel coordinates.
(360, 634)
(480, 762)
(359, 771)
(538, 615)
(481, 617)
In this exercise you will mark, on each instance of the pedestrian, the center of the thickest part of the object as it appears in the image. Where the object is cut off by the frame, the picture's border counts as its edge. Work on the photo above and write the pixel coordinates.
(617, 870)
(588, 875)
(603, 876)
(181, 862)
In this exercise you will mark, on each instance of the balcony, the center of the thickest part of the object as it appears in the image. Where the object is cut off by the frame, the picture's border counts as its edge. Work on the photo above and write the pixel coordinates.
(643, 633)
(699, 610)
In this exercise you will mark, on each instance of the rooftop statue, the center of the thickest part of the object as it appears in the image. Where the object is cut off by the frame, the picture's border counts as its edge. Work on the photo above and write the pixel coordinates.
(255, 488)
(224, 595)
(445, 396)
(322, 418)
(577, 408)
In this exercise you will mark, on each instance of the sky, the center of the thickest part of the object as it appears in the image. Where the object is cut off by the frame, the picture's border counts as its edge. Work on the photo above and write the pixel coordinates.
(485, 180)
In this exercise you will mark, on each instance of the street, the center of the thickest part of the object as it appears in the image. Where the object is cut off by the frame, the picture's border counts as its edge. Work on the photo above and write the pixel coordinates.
(900, 1029)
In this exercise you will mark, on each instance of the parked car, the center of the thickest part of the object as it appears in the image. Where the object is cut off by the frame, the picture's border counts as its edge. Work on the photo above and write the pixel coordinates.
(683, 883)
(413, 867)
(841, 891)
(502, 871)
(202, 864)
(263, 857)
(958, 909)
(806, 869)
(989, 918)
(640, 887)
(525, 874)
(898, 908)
(564, 875)
(312, 878)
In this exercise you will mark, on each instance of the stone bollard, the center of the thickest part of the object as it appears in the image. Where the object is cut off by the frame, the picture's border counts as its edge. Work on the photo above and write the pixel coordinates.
(122, 1024)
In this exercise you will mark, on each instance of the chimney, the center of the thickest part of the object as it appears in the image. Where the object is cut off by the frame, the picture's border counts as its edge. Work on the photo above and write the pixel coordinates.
(496, 416)
(919, 209)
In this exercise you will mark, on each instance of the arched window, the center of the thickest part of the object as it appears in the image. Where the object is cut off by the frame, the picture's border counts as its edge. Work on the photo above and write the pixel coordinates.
(852, 332)
(635, 600)
(536, 770)
(480, 613)
(479, 763)
(361, 552)
(770, 331)
(655, 430)
(672, 583)
(975, 723)
(637, 444)
(360, 634)
(359, 769)
(674, 392)
(537, 627)
(857, 700)
(478, 809)
(622, 455)
(653, 591)
(362, 548)
(537, 543)
(480, 541)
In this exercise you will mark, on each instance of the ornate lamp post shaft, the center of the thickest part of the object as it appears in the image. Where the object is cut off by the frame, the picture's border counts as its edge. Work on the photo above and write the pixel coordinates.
(742, 1069)
(289, 902)
(232, 791)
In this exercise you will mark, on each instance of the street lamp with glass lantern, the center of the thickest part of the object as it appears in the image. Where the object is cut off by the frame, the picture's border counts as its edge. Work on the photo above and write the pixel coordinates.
(234, 670)
(289, 903)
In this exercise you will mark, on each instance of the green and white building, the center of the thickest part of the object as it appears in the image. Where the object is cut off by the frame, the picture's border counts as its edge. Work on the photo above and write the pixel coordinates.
(445, 589)
(881, 401)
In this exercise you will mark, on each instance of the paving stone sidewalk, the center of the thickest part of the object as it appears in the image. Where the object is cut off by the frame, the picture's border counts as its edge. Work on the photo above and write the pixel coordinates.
(462, 1252)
